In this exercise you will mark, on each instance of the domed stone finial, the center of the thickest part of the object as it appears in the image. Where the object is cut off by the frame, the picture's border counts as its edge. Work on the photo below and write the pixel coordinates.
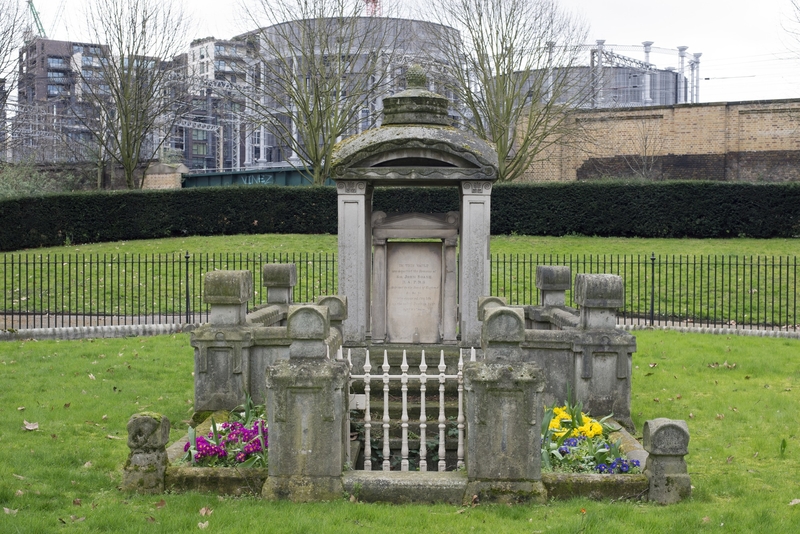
(416, 77)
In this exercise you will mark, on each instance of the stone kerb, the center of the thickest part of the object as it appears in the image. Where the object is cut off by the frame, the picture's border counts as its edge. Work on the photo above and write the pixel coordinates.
(667, 442)
(144, 471)
(228, 293)
(599, 297)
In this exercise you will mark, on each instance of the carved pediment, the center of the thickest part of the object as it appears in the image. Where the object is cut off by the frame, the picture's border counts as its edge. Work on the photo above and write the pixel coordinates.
(415, 225)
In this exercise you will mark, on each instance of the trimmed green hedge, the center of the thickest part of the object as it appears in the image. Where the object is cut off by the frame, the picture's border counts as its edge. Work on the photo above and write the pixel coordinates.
(624, 209)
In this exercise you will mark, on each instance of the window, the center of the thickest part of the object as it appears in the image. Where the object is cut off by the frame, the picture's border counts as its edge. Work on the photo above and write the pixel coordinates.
(77, 49)
(87, 61)
(55, 90)
(56, 62)
(94, 50)
(219, 50)
(199, 135)
(86, 73)
(364, 119)
(199, 149)
(55, 76)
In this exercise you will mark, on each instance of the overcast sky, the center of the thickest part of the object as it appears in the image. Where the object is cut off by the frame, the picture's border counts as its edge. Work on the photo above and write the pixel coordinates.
(747, 54)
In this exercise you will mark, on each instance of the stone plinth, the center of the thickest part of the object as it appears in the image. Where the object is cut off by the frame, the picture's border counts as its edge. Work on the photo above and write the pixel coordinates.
(306, 403)
(504, 410)
(221, 366)
(148, 434)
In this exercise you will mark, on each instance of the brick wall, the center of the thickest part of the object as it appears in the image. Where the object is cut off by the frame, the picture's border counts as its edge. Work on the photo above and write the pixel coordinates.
(749, 141)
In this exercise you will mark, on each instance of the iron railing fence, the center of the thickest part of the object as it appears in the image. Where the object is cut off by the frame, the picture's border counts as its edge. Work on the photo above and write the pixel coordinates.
(55, 290)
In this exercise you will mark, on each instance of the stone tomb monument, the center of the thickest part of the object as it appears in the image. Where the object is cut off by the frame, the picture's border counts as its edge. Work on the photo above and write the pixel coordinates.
(400, 289)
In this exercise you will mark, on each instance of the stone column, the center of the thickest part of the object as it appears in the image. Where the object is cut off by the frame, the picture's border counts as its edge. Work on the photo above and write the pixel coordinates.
(148, 434)
(306, 409)
(667, 442)
(504, 410)
(355, 256)
(474, 264)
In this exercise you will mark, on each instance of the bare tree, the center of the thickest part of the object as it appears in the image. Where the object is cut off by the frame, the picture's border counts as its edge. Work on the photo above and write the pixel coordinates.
(126, 92)
(320, 69)
(12, 28)
(512, 70)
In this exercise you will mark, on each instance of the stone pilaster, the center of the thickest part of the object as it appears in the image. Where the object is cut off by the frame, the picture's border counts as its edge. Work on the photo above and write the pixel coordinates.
(355, 256)
(474, 265)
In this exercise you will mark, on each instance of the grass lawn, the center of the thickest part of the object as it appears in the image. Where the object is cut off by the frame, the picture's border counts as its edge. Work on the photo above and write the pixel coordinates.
(739, 395)
(288, 243)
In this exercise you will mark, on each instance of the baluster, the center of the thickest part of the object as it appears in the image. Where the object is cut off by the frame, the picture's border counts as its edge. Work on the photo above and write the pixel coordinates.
(387, 451)
(472, 354)
(423, 448)
(367, 417)
(442, 419)
(404, 416)
(460, 420)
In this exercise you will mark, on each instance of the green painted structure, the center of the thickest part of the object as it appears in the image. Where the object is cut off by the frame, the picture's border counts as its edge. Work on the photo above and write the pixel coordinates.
(267, 176)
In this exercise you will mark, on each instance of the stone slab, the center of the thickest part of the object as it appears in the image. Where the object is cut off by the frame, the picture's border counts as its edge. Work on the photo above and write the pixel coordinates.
(414, 292)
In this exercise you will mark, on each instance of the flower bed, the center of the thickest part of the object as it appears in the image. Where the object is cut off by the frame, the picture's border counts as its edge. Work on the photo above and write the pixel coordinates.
(573, 442)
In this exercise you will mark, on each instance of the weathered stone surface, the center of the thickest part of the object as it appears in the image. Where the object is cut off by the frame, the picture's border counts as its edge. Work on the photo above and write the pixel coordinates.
(279, 279)
(667, 442)
(553, 281)
(409, 487)
(147, 462)
(414, 292)
(228, 287)
(595, 486)
(666, 436)
(306, 405)
(503, 414)
(599, 290)
(221, 366)
(306, 321)
(217, 480)
(487, 303)
(506, 491)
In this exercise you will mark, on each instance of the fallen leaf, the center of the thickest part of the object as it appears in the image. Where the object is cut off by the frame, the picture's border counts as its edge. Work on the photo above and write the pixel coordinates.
(151, 519)
(19, 493)
(352, 499)
(678, 396)
(62, 520)
(18, 476)
(113, 437)
(461, 510)
(66, 405)
(20, 408)
(720, 416)
(733, 408)
(54, 436)
(747, 377)
(706, 519)
(648, 374)
(104, 417)
(161, 504)
(474, 500)
(91, 376)
(794, 501)
(729, 459)
(656, 400)
(9, 511)
(87, 464)
(691, 415)
(76, 519)
(204, 511)
(652, 365)
(202, 525)
(30, 426)
(76, 502)
(755, 455)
